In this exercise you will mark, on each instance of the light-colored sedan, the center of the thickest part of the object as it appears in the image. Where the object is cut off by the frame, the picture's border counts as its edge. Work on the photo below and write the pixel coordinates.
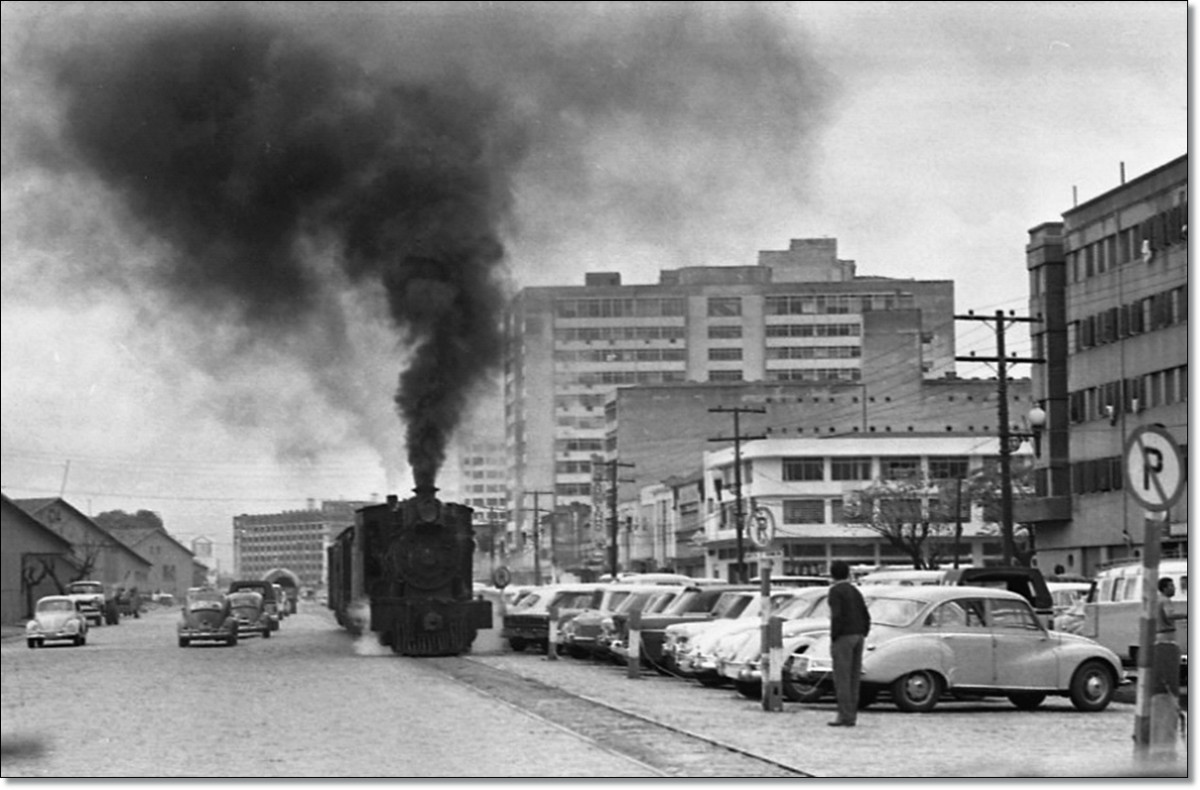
(56, 618)
(972, 641)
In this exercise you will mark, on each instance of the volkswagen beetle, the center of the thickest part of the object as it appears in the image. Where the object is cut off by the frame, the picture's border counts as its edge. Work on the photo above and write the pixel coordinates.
(57, 618)
(207, 617)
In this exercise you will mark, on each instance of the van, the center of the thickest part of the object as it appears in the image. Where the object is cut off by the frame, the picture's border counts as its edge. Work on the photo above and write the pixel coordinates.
(1113, 611)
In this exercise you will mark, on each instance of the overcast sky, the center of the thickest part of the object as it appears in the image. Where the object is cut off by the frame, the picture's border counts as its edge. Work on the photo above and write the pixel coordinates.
(139, 370)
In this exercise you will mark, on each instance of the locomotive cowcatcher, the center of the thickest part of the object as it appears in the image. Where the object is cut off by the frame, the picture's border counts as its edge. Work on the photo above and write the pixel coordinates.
(410, 562)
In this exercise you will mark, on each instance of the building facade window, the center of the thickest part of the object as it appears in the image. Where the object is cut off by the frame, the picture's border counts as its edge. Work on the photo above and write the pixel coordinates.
(803, 469)
(724, 306)
(804, 511)
(850, 468)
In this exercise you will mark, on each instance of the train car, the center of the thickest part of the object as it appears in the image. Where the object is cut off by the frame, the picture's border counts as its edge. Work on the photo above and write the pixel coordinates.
(404, 571)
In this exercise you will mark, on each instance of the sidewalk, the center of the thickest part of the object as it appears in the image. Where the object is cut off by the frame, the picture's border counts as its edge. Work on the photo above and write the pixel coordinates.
(8, 632)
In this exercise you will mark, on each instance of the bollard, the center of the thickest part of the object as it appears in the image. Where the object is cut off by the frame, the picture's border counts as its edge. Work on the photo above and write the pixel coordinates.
(552, 635)
(633, 653)
(772, 667)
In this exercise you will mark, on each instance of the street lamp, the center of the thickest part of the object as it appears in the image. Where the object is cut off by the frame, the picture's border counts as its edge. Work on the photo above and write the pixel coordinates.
(1037, 424)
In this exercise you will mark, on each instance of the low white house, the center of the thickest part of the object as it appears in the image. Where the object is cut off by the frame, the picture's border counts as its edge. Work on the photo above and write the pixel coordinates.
(799, 489)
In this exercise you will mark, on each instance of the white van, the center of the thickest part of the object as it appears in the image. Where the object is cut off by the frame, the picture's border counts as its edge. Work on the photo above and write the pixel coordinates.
(1113, 612)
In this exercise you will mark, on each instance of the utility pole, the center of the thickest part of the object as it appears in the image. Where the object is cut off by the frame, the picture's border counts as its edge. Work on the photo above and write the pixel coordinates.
(737, 439)
(537, 540)
(1002, 361)
(612, 511)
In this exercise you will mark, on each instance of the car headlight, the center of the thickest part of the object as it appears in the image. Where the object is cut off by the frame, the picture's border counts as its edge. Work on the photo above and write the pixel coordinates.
(607, 624)
(31, 627)
(72, 626)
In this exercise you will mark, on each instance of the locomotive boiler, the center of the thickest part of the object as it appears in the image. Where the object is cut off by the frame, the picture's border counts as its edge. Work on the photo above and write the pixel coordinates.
(403, 570)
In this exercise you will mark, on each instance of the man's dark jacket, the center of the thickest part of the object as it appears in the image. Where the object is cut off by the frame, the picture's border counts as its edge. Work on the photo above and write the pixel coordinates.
(847, 611)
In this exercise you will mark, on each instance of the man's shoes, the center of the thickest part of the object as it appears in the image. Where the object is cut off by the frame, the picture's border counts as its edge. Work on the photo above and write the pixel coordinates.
(840, 723)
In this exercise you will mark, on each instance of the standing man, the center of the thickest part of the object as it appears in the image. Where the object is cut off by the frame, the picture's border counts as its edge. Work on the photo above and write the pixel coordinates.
(1167, 659)
(849, 623)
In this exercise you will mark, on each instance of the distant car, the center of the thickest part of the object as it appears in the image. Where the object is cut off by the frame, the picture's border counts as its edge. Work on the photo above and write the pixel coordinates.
(247, 607)
(926, 641)
(207, 617)
(269, 599)
(57, 618)
(90, 596)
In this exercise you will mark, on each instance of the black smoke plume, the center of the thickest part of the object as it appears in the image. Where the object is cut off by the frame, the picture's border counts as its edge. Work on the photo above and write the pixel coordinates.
(234, 143)
(286, 172)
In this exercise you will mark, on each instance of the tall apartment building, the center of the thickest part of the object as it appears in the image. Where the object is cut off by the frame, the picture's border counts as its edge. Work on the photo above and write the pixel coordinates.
(800, 315)
(292, 541)
(1110, 282)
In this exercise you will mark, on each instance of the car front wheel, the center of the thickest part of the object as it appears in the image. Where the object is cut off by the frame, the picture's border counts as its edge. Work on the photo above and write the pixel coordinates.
(917, 692)
(33, 643)
(806, 689)
(184, 641)
(1092, 687)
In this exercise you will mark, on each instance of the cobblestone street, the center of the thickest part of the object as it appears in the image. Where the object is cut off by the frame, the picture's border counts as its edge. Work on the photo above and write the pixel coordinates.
(312, 701)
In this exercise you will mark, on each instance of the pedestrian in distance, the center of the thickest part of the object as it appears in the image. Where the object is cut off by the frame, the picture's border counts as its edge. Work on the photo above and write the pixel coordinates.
(849, 624)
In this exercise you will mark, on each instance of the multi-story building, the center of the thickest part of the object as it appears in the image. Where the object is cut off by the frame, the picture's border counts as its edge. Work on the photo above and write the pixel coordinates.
(800, 315)
(806, 484)
(293, 541)
(1110, 283)
(481, 475)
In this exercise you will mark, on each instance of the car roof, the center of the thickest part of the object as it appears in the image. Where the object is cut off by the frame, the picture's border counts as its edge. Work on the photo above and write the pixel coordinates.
(66, 598)
(889, 577)
(938, 592)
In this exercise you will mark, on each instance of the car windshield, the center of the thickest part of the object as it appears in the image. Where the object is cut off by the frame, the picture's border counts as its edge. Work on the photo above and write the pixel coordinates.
(797, 607)
(731, 604)
(86, 587)
(205, 600)
(659, 602)
(893, 611)
(574, 600)
(55, 606)
(245, 599)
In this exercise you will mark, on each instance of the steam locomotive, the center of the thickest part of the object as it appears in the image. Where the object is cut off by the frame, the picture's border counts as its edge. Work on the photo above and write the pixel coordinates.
(403, 570)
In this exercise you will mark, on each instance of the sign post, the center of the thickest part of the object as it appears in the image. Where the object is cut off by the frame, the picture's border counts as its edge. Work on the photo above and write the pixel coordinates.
(1154, 475)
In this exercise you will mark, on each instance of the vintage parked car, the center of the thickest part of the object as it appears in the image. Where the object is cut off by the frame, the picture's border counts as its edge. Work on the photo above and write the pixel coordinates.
(269, 601)
(252, 617)
(90, 596)
(975, 641)
(207, 617)
(527, 623)
(57, 618)
(590, 633)
(699, 602)
(702, 650)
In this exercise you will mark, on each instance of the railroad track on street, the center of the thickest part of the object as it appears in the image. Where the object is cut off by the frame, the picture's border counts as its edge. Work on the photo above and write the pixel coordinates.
(662, 748)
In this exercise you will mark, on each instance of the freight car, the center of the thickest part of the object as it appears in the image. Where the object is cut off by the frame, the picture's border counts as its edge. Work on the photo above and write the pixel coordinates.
(403, 570)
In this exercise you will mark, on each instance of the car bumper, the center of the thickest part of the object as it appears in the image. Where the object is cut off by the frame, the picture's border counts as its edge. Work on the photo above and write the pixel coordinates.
(53, 636)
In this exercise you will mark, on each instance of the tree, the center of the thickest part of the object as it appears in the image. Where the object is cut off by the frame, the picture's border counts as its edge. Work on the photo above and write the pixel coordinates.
(118, 519)
(908, 513)
(984, 487)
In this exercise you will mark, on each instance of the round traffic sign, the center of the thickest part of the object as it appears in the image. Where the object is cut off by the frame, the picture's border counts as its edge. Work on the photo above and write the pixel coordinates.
(1154, 471)
(760, 524)
(501, 577)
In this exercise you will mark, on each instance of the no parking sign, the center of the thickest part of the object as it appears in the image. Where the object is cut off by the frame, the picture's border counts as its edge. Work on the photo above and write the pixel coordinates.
(1154, 471)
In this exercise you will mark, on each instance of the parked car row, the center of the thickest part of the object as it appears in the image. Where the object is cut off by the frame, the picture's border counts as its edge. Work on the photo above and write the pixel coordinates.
(956, 636)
